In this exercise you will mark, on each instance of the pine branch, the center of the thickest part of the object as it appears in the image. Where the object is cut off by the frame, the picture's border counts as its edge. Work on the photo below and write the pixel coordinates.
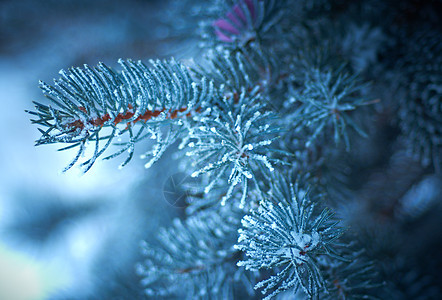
(354, 279)
(288, 233)
(240, 68)
(324, 101)
(139, 102)
(196, 258)
(234, 140)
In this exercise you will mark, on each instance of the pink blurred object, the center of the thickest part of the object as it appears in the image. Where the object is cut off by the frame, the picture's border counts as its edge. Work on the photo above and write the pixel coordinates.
(235, 24)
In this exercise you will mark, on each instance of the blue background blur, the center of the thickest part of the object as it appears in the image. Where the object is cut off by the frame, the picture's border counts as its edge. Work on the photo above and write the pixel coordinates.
(72, 236)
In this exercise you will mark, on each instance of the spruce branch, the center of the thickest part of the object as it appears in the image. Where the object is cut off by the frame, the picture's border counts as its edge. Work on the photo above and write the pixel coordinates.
(234, 141)
(240, 68)
(99, 104)
(323, 101)
(356, 278)
(196, 258)
(289, 234)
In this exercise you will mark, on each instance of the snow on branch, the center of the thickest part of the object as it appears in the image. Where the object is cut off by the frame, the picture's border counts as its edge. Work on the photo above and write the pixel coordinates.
(290, 234)
(234, 141)
(138, 102)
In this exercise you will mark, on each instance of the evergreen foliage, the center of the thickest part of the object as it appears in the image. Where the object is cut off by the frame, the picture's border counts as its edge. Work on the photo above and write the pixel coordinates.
(326, 98)
(234, 139)
(421, 73)
(195, 258)
(288, 232)
(91, 99)
(262, 119)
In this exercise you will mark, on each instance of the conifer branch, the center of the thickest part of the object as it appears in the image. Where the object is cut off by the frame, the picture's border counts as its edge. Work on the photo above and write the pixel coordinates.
(325, 100)
(138, 102)
(289, 234)
(233, 70)
(234, 141)
(196, 258)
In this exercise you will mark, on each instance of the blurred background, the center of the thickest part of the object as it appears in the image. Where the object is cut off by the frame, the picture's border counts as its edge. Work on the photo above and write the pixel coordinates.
(73, 235)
